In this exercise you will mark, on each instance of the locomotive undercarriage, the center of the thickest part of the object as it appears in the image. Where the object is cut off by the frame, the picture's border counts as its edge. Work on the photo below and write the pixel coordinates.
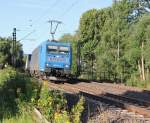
(52, 74)
(57, 72)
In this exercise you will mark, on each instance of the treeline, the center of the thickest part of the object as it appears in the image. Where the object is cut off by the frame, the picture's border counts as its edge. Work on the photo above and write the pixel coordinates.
(7, 53)
(115, 42)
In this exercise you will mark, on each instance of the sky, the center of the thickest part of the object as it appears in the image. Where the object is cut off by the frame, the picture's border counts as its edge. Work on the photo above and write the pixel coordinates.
(30, 17)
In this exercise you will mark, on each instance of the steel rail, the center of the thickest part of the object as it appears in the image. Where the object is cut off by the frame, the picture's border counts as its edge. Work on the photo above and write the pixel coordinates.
(131, 104)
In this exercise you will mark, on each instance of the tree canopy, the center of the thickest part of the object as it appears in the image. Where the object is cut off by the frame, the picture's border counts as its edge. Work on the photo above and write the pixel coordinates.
(6, 53)
(116, 41)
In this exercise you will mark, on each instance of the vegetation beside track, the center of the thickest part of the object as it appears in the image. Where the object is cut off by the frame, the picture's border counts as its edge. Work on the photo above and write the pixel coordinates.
(20, 93)
(24, 117)
(53, 105)
(16, 91)
(7, 52)
(115, 43)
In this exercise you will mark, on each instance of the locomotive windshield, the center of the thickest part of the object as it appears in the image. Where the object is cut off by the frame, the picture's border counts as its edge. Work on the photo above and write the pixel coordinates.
(63, 50)
(58, 49)
(52, 49)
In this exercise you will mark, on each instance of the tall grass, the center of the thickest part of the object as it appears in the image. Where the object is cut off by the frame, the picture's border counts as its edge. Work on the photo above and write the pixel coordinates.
(24, 118)
(16, 89)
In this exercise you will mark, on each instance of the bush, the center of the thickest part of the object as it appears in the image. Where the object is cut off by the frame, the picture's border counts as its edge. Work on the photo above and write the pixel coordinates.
(53, 105)
(62, 117)
(51, 102)
(18, 90)
(15, 88)
(6, 75)
(135, 81)
(77, 110)
(25, 116)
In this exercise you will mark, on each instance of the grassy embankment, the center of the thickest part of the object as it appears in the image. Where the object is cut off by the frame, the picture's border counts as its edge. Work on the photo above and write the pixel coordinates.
(16, 91)
(20, 93)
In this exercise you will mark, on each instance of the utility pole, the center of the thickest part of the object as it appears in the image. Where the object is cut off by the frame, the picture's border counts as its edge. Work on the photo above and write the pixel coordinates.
(14, 48)
(53, 27)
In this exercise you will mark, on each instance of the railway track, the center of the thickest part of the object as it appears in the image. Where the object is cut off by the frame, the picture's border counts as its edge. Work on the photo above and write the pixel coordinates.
(121, 102)
(118, 86)
(123, 87)
(130, 100)
(117, 89)
(131, 104)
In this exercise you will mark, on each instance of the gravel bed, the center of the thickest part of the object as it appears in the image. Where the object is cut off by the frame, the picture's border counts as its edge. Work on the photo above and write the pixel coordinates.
(97, 112)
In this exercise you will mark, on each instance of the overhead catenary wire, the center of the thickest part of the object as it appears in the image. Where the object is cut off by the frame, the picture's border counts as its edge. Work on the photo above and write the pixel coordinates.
(53, 5)
(40, 17)
(69, 9)
(45, 12)
(24, 37)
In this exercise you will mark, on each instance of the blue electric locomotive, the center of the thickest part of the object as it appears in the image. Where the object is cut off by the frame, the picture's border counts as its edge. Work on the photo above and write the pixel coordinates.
(51, 58)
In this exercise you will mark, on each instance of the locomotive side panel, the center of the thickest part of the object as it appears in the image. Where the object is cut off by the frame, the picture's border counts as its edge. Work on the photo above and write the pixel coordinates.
(27, 63)
(42, 56)
(34, 65)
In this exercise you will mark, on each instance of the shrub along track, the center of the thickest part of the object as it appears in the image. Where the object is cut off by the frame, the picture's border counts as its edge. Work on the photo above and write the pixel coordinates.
(98, 92)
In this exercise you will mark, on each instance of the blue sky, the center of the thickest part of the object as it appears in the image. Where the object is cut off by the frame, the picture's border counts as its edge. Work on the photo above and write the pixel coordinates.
(31, 16)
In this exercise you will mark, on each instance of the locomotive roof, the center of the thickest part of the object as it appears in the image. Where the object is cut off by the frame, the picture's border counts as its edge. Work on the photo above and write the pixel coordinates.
(57, 43)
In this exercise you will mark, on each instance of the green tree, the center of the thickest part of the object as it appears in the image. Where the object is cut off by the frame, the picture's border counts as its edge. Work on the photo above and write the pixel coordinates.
(73, 39)
(6, 52)
(101, 33)
(139, 48)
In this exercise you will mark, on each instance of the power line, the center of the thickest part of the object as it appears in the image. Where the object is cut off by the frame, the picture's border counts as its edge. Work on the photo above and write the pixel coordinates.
(40, 17)
(45, 12)
(69, 8)
(53, 5)
(27, 35)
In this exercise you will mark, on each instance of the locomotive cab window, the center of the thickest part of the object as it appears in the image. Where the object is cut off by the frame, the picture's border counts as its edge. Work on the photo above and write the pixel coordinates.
(64, 50)
(52, 49)
(58, 49)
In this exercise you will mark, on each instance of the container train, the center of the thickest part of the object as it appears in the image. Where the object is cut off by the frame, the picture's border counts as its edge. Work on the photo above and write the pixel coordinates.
(50, 58)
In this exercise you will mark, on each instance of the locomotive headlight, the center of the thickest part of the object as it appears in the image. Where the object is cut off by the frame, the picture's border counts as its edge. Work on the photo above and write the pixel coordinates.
(47, 65)
(66, 66)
